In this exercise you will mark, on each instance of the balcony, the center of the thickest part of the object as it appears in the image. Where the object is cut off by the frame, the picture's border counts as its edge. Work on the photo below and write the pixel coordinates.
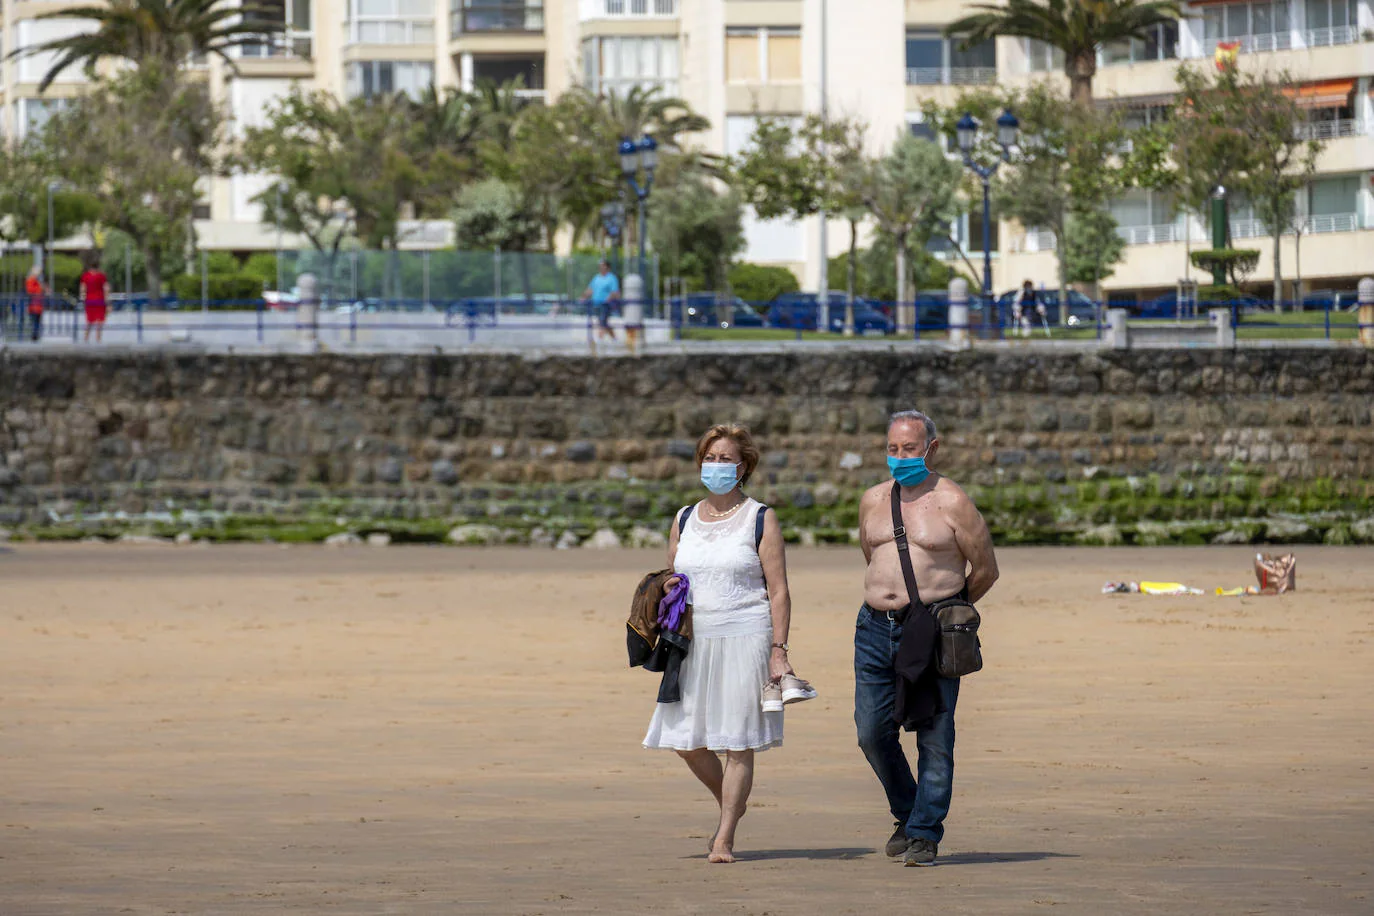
(478, 18)
(627, 9)
(951, 76)
(1311, 225)
(297, 45)
(1329, 130)
(1157, 235)
(1326, 38)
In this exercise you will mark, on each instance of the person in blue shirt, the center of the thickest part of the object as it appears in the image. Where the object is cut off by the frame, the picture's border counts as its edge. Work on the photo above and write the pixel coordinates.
(603, 289)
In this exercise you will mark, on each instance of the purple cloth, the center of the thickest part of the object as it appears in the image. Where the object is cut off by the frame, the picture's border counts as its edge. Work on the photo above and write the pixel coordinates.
(673, 605)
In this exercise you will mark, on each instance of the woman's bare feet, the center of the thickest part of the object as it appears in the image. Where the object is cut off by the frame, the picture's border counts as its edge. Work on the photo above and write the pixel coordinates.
(721, 854)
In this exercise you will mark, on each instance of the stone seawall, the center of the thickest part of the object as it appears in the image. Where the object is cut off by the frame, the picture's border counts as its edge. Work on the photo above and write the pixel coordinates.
(1148, 447)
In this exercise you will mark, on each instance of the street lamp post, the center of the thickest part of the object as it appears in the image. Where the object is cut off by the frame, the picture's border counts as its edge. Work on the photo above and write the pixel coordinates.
(633, 157)
(53, 188)
(613, 218)
(280, 190)
(967, 132)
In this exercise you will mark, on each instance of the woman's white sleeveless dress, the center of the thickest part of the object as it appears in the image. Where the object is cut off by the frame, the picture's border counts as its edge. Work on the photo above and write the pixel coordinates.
(732, 635)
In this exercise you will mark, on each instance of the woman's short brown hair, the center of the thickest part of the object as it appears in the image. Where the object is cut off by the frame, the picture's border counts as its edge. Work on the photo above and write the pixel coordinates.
(740, 435)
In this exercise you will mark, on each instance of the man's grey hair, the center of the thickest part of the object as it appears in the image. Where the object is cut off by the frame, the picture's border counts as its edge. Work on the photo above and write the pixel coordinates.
(914, 416)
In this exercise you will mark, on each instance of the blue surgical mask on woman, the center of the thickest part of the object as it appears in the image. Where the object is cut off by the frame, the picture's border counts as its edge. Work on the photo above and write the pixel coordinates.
(720, 477)
(909, 472)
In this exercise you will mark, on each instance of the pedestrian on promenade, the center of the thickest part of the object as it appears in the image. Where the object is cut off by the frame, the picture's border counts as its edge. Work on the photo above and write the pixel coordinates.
(603, 290)
(95, 295)
(36, 290)
(951, 553)
(729, 546)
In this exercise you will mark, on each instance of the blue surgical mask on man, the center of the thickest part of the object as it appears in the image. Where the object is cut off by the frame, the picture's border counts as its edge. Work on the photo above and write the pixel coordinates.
(719, 477)
(909, 472)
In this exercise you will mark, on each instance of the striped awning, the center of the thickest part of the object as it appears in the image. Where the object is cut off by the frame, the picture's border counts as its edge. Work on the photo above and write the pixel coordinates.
(1327, 94)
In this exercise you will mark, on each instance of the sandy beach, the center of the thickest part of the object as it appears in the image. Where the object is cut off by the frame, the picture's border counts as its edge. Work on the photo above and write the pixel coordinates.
(422, 730)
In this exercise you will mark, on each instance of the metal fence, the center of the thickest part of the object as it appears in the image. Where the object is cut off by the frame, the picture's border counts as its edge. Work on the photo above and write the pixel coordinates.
(553, 322)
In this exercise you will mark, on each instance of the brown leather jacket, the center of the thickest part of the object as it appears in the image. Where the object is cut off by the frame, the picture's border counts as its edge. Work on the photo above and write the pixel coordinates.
(649, 645)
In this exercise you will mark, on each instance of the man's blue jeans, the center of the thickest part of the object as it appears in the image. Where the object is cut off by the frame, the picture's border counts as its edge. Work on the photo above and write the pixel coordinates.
(921, 802)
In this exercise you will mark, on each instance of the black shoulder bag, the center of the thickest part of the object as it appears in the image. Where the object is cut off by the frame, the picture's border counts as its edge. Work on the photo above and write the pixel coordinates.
(959, 652)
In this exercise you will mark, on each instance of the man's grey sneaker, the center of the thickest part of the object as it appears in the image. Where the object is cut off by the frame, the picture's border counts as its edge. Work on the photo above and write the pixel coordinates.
(898, 842)
(921, 852)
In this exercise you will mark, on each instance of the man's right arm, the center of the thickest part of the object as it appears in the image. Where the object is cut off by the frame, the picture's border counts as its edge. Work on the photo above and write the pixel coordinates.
(866, 506)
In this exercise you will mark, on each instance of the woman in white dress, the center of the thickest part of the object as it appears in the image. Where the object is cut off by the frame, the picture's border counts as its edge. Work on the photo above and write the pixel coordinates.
(739, 632)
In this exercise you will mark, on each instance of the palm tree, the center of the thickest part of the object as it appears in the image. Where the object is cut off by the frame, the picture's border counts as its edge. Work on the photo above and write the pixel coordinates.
(1076, 27)
(166, 31)
(649, 111)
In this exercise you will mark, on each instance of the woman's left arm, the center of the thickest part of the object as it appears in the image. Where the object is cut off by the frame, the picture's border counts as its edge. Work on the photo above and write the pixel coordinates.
(774, 560)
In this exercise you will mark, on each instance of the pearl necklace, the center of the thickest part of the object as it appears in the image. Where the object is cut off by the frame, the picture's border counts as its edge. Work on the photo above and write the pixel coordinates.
(727, 513)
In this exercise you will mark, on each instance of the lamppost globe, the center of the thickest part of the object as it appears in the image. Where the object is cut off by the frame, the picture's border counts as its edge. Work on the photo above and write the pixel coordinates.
(965, 130)
(629, 159)
(648, 153)
(1007, 129)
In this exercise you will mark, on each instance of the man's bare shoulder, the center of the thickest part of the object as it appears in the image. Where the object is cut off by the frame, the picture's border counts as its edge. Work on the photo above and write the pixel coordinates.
(875, 494)
(953, 498)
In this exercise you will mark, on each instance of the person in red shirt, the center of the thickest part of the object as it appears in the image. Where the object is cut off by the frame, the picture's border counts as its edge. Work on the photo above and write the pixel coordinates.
(95, 293)
(35, 289)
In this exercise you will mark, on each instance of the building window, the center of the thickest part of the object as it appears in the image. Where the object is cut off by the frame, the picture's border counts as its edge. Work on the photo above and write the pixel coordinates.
(932, 59)
(763, 55)
(391, 22)
(1257, 26)
(296, 38)
(1331, 22)
(1160, 43)
(1147, 116)
(34, 114)
(619, 64)
(384, 77)
(501, 70)
(1043, 57)
(486, 16)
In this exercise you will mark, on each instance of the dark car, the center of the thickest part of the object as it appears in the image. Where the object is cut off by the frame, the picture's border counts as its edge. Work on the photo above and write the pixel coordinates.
(801, 311)
(1082, 310)
(1166, 306)
(706, 310)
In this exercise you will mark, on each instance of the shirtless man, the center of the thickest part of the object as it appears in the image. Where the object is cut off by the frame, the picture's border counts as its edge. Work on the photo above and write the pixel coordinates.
(950, 549)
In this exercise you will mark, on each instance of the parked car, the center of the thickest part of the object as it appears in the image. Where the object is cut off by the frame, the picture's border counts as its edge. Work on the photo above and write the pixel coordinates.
(713, 310)
(1166, 306)
(1082, 310)
(801, 311)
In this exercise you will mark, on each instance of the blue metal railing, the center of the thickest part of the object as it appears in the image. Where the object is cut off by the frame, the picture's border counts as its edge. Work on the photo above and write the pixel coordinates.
(511, 320)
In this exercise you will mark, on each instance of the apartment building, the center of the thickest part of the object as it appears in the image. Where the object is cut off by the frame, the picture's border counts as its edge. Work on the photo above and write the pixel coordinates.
(878, 60)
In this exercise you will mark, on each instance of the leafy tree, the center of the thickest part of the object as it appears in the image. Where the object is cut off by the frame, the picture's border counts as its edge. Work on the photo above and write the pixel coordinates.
(697, 230)
(164, 33)
(28, 168)
(147, 189)
(1240, 131)
(1067, 166)
(875, 268)
(358, 164)
(491, 214)
(909, 193)
(1091, 247)
(1076, 27)
(794, 170)
(761, 282)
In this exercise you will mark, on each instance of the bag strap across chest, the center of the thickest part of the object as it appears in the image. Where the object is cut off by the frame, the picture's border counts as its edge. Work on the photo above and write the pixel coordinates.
(903, 548)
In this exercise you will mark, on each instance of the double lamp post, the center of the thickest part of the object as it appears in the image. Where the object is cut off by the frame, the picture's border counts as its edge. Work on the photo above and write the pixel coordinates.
(634, 159)
(1008, 131)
